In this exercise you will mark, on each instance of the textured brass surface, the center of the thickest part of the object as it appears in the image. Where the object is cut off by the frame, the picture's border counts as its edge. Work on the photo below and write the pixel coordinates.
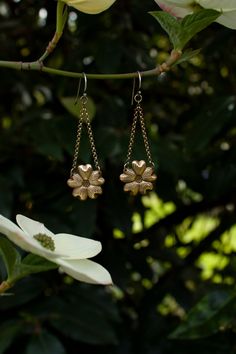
(139, 178)
(86, 182)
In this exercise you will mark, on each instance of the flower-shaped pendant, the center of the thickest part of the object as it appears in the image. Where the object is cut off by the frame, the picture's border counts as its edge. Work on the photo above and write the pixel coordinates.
(139, 178)
(86, 183)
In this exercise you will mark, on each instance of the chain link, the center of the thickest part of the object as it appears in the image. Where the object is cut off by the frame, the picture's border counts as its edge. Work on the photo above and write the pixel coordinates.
(138, 114)
(84, 118)
(132, 139)
(92, 143)
(77, 145)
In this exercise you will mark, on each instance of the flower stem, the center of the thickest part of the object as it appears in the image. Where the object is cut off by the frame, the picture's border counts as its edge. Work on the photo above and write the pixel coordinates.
(60, 24)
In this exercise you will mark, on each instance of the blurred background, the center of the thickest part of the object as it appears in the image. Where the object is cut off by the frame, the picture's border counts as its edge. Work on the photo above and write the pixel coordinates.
(170, 253)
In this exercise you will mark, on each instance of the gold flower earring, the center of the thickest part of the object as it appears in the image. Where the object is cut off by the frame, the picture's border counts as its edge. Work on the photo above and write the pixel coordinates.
(139, 178)
(85, 181)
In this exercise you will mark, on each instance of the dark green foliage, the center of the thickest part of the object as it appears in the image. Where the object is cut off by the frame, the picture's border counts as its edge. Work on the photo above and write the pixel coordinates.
(171, 259)
(215, 311)
(45, 343)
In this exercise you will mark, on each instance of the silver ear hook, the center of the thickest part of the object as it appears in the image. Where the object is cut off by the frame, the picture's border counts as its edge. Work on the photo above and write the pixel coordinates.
(140, 80)
(85, 87)
(139, 86)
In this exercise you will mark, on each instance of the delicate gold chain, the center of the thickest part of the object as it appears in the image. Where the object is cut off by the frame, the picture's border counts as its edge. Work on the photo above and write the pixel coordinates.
(91, 139)
(84, 118)
(138, 114)
(132, 138)
(77, 145)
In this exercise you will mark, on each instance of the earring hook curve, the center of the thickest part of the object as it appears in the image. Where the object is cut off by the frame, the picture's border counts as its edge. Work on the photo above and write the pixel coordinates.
(85, 87)
(139, 86)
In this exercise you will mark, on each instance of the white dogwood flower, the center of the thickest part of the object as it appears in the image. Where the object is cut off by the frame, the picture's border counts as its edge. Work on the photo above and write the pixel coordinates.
(181, 8)
(70, 252)
(90, 6)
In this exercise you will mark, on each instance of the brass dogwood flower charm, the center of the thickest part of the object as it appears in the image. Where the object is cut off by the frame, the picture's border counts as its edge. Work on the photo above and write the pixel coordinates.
(86, 183)
(139, 178)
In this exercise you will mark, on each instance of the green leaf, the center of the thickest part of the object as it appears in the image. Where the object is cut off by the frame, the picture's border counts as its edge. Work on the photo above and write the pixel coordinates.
(11, 257)
(84, 325)
(17, 269)
(46, 141)
(74, 109)
(181, 31)
(45, 343)
(213, 312)
(34, 264)
(88, 315)
(24, 291)
(8, 331)
(171, 25)
(187, 56)
(192, 24)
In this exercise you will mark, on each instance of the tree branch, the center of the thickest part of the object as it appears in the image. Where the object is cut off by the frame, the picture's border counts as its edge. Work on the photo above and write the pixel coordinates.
(39, 66)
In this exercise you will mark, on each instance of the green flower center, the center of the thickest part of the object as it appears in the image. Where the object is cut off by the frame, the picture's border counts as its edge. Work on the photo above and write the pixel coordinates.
(45, 241)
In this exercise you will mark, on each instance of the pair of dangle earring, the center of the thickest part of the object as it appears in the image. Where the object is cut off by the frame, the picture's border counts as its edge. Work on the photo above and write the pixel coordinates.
(85, 181)
(137, 175)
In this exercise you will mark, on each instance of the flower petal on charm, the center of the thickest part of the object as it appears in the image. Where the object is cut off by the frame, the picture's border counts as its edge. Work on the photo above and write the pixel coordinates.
(145, 186)
(149, 175)
(132, 187)
(75, 181)
(128, 176)
(76, 177)
(139, 167)
(85, 171)
(96, 179)
(93, 191)
(71, 183)
(76, 192)
(81, 192)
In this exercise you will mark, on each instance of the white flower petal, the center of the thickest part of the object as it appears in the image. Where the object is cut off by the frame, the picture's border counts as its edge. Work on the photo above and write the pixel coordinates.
(22, 240)
(71, 247)
(86, 271)
(224, 5)
(182, 3)
(14, 233)
(32, 227)
(90, 6)
(76, 247)
(228, 19)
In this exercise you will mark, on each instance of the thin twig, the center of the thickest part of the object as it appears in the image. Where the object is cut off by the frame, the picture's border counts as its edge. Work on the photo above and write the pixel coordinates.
(39, 66)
